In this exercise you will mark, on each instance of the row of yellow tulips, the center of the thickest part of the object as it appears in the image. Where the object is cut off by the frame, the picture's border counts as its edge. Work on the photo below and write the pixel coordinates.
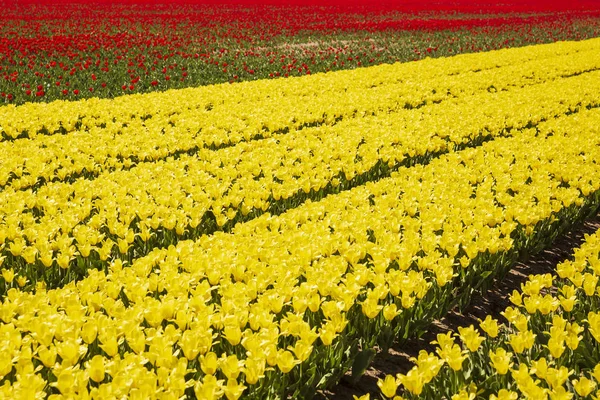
(274, 103)
(75, 226)
(284, 304)
(547, 345)
(113, 143)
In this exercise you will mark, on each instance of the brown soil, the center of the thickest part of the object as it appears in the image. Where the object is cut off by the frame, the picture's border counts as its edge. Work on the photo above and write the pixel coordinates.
(396, 360)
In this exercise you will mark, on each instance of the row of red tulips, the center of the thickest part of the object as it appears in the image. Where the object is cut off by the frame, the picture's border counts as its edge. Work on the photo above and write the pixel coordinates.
(110, 49)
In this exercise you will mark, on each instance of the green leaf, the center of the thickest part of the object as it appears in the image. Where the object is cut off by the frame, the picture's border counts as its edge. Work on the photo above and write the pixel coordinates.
(324, 380)
(361, 363)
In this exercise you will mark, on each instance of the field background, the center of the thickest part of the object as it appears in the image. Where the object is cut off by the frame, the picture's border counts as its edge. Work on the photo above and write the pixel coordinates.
(299, 199)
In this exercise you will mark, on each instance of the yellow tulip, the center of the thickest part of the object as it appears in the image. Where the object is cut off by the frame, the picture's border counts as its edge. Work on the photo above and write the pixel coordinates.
(371, 308)
(231, 366)
(504, 394)
(412, 381)
(470, 338)
(65, 382)
(47, 355)
(8, 275)
(89, 331)
(209, 363)
(490, 326)
(584, 386)
(286, 361)
(556, 345)
(233, 390)
(96, 368)
(29, 254)
(590, 282)
(560, 393)
(596, 372)
(209, 388)
(557, 377)
(572, 338)
(500, 360)
(6, 364)
(254, 370)
(17, 247)
(232, 334)
(388, 386)
(22, 281)
(453, 356)
(463, 395)
(70, 351)
(539, 367)
(189, 343)
(301, 350)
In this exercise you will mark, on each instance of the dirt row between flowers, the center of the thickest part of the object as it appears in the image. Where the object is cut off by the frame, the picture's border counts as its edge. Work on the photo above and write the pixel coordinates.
(397, 359)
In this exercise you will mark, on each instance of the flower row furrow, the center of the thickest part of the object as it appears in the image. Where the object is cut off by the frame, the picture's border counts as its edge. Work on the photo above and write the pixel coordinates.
(284, 304)
(62, 229)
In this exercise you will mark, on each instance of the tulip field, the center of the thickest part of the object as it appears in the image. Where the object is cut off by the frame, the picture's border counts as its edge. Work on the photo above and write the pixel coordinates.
(250, 229)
